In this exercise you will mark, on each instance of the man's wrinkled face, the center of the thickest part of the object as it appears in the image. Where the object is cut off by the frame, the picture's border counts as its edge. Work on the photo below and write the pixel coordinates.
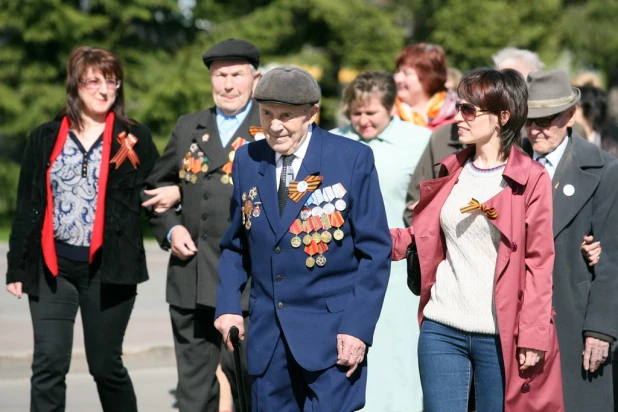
(233, 82)
(546, 139)
(286, 126)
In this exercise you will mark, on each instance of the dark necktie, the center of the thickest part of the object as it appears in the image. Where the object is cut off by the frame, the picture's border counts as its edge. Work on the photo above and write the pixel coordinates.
(282, 193)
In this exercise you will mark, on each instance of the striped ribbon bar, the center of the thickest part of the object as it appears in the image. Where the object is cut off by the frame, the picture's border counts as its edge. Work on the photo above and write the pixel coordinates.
(312, 183)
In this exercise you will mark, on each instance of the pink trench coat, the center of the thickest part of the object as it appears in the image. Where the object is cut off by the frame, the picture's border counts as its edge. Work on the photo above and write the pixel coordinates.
(523, 277)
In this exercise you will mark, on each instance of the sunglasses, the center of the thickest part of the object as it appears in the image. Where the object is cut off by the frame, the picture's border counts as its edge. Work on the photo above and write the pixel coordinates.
(543, 121)
(469, 111)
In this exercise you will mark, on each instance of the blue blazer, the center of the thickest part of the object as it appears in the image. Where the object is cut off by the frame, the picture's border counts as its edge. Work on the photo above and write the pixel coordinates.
(308, 306)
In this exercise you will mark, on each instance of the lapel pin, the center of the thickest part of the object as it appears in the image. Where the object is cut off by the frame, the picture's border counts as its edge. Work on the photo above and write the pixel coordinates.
(205, 137)
(568, 190)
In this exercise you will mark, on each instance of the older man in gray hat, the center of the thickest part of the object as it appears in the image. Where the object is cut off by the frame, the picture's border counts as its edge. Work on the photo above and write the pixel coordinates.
(198, 159)
(584, 182)
(309, 226)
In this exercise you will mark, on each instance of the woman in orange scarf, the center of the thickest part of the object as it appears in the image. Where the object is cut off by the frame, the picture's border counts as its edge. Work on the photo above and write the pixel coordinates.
(422, 97)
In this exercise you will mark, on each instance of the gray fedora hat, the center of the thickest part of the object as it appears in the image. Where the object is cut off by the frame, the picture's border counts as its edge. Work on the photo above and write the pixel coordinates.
(290, 85)
(549, 92)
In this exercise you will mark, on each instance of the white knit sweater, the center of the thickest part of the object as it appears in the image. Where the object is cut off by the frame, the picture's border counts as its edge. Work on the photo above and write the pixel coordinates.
(463, 295)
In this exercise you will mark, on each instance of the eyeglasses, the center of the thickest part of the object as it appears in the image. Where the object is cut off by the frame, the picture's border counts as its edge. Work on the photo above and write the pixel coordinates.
(469, 111)
(94, 84)
(543, 121)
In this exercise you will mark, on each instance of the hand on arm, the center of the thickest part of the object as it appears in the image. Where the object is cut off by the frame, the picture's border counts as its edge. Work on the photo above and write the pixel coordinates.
(183, 246)
(163, 198)
(223, 324)
(350, 352)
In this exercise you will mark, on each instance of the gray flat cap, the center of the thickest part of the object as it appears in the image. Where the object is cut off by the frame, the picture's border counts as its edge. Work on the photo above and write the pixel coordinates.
(549, 93)
(289, 85)
(233, 49)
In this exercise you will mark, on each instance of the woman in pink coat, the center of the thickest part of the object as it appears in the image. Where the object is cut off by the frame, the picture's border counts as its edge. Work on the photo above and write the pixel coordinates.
(483, 231)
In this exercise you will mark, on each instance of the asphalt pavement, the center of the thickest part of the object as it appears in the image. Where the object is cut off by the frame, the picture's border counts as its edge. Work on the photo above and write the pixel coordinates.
(148, 348)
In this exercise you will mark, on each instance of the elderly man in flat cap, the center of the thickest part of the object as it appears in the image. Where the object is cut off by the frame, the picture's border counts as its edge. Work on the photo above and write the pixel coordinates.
(309, 226)
(198, 159)
(584, 181)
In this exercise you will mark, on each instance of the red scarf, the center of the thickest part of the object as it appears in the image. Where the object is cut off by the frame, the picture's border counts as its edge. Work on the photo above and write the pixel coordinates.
(47, 239)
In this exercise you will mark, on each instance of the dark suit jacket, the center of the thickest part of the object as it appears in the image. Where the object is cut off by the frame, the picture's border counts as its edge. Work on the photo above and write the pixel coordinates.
(310, 306)
(205, 205)
(444, 141)
(585, 297)
(123, 257)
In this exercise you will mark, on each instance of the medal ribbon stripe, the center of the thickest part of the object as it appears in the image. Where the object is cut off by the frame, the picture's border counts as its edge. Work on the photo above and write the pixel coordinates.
(336, 220)
(297, 227)
(312, 248)
(126, 150)
(313, 182)
(227, 168)
(474, 204)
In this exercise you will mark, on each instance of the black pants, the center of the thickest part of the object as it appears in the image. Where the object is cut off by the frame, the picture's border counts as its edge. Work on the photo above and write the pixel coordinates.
(105, 311)
(198, 349)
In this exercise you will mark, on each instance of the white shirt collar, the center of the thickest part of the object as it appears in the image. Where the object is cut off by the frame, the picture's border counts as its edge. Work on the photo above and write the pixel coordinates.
(302, 149)
(554, 157)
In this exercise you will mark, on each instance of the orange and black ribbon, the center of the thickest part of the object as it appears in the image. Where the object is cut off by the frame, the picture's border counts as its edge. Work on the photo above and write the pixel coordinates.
(227, 168)
(126, 150)
(474, 204)
(313, 182)
(253, 130)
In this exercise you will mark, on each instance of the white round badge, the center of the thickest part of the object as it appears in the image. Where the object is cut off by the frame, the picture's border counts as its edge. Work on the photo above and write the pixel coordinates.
(302, 186)
(568, 190)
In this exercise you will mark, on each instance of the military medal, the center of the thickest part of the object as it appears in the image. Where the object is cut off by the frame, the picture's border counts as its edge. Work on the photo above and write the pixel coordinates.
(193, 163)
(305, 213)
(205, 137)
(306, 229)
(244, 197)
(336, 220)
(311, 249)
(326, 236)
(339, 191)
(329, 195)
(321, 259)
(227, 168)
(256, 209)
(253, 193)
(316, 237)
(296, 229)
(248, 224)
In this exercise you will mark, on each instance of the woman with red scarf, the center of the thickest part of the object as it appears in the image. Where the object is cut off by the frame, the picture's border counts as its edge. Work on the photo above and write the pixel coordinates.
(76, 241)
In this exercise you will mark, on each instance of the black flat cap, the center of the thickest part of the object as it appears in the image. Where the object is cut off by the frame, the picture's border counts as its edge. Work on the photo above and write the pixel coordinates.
(233, 49)
(289, 85)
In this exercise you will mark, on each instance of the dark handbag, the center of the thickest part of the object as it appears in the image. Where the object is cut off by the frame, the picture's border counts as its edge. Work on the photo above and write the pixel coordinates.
(414, 269)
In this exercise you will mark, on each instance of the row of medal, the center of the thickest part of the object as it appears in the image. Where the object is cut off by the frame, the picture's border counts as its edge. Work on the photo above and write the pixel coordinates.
(249, 208)
(317, 217)
(196, 161)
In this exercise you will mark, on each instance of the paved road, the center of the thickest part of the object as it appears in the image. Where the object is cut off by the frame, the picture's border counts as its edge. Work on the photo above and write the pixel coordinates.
(148, 348)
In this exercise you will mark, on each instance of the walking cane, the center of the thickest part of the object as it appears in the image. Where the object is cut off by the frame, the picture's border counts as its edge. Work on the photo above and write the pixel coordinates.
(240, 384)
